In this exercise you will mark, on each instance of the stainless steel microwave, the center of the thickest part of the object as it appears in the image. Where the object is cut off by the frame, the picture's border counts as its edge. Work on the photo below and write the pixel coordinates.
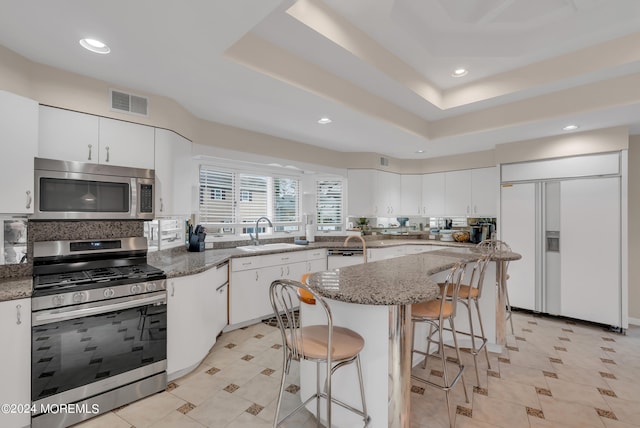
(67, 190)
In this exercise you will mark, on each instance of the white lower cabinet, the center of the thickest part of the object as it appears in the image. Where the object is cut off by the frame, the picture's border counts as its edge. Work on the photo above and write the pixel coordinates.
(196, 308)
(15, 360)
(251, 278)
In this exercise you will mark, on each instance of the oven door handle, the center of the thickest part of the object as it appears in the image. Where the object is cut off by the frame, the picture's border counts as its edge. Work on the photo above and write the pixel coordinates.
(63, 314)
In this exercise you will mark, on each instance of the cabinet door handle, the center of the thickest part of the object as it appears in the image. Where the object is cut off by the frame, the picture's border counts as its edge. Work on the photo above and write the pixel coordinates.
(18, 315)
(281, 271)
(173, 289)
(161, 205)
(287, 270)
(29, 199)
(467, 209)
(107, 149)
(90, 146)
(475, 209)
(256, 275)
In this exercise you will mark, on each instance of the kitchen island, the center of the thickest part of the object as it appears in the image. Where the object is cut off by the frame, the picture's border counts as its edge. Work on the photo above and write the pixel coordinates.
(375, 300)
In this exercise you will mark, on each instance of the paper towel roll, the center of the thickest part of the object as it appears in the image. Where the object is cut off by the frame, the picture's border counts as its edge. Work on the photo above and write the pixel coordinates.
(311, 232)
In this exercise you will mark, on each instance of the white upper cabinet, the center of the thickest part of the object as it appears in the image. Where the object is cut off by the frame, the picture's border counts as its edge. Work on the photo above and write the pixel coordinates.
(126, 144)
(19, 133)
(373, 193)
(485, 186)
(433, 194)
(173, 167)
(457, 191)
(72, 136)
(388, 194)
(363, 185)
(68, 135)
(410, 195)
(471, 192)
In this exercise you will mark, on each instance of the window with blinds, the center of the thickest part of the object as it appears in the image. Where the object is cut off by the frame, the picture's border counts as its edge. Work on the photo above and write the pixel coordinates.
(329, 204)
(217, 198)
(286, 204)
(231, 202)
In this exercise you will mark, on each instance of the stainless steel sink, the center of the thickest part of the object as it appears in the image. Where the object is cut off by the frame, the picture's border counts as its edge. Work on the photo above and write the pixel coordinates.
(267, 247)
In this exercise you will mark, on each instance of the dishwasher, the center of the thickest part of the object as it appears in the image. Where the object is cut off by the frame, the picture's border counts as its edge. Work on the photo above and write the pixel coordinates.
(344, 256)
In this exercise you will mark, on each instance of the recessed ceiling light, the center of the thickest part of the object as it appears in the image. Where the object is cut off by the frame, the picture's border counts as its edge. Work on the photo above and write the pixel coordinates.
(324, 120)
(419, 151)
(95, 46)
(459, 72)
(570, 127)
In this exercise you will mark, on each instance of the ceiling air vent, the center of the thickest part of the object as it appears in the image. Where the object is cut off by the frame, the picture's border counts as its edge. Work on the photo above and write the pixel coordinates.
(123, 102)
(384, 162)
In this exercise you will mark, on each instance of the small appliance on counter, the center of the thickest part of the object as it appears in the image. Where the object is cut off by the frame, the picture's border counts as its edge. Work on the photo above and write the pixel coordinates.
(196, 238)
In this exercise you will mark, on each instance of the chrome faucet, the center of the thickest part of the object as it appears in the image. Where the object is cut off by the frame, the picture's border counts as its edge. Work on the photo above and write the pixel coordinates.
(364, 245)
(255, 240)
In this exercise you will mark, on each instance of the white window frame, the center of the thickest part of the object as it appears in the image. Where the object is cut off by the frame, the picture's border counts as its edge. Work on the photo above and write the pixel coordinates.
(233, 230)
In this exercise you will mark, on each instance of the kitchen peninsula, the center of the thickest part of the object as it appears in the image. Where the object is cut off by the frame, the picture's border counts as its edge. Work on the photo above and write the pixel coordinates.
(373, 299)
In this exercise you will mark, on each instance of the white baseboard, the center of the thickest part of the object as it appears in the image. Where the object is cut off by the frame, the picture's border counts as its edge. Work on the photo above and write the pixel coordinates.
(634, 321)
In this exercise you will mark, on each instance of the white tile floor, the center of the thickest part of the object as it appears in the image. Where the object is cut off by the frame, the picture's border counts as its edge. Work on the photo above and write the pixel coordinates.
(554, 373)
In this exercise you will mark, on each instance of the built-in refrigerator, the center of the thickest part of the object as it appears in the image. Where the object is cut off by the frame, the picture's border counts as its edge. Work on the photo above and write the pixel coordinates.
(568, 228)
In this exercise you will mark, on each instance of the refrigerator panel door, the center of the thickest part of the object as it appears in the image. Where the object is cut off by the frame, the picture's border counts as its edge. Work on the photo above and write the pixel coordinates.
(551, 295)
(590, 250)
(518, 229)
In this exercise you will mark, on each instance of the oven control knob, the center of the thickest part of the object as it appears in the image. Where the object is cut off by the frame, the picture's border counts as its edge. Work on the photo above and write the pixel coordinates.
(151, 286)
(78, 297)
(109, 292)
(135, 289)
(57, 300)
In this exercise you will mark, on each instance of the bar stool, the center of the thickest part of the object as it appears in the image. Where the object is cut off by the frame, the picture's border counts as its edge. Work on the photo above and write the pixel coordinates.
(495, 245)
(471, 291)
(435, 313)
(335, 346)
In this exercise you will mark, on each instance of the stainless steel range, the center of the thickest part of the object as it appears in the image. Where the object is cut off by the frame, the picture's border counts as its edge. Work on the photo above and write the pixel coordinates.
(99, 328)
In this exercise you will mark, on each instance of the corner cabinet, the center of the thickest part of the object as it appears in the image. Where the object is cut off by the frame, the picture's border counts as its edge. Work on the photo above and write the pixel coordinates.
(173, 173)
(19, 131)
(197, 313)
(73, 136)
(251, 277)
(15, 361)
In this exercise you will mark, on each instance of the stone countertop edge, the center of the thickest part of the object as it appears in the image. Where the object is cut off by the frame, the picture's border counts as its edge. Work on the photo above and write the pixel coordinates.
(15, 288)
(177, 262)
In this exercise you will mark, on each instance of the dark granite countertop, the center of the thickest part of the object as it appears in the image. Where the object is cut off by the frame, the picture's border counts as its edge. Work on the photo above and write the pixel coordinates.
(179, 262)
(400, 281)
(15, 288)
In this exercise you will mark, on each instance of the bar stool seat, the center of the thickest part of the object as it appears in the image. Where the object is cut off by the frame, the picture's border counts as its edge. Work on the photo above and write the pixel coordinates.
(312, 342)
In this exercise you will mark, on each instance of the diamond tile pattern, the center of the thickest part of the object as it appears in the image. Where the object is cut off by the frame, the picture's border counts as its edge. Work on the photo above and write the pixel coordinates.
(565, 374)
